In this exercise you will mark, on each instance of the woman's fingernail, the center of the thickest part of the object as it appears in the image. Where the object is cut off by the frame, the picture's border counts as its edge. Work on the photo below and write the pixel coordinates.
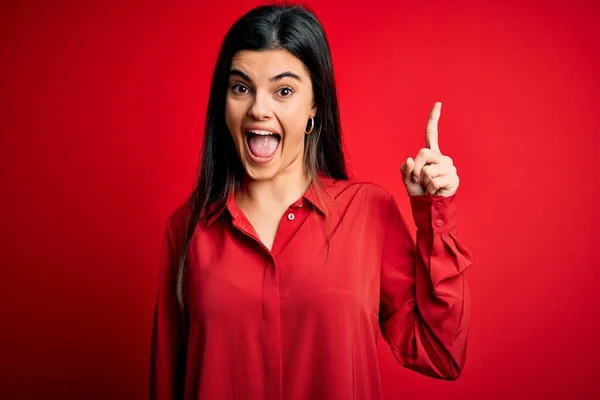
(415, 179)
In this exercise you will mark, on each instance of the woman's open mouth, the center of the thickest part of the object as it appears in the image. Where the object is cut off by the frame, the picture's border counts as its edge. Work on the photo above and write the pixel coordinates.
(262, 145)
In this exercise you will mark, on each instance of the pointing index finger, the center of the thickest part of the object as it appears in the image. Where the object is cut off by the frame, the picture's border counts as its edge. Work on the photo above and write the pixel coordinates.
(431, 132)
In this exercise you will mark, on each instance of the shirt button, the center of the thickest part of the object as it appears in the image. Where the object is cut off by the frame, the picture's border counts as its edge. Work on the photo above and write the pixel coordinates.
(439, 222)
(291, 216)
(438, 206)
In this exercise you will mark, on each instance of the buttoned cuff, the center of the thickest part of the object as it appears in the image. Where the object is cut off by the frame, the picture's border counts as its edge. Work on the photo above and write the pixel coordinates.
(434, 213)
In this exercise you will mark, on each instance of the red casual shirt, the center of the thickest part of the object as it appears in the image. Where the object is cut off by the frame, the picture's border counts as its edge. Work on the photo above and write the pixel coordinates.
(301, 321)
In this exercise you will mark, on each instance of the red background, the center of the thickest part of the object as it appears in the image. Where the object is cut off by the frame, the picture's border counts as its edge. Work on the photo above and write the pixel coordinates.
(102, 109)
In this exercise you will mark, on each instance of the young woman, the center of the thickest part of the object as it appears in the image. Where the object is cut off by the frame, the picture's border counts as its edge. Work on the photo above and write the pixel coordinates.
(279, 272)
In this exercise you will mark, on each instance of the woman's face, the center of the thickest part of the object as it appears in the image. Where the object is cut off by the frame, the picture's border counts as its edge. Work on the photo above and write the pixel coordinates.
(269, 101)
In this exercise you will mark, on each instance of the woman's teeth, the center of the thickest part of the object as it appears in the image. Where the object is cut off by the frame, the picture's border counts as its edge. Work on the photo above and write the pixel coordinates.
(261, 132)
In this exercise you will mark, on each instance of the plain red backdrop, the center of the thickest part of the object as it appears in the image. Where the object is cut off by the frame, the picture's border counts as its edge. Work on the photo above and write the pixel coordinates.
(102, 108)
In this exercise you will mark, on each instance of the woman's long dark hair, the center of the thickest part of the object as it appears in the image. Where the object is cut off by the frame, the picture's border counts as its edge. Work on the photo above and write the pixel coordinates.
(295, 29)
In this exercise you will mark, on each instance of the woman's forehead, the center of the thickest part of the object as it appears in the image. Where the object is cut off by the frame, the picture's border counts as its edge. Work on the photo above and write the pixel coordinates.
(267, 63)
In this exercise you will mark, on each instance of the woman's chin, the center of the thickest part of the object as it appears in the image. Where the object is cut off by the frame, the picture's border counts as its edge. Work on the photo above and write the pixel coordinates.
(262, 171)
(260, 174)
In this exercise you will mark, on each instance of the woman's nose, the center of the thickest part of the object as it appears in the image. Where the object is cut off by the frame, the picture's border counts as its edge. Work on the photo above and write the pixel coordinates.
(261, 107)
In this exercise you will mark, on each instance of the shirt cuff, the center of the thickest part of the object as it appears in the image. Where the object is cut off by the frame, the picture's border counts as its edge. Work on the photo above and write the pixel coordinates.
(434, 213)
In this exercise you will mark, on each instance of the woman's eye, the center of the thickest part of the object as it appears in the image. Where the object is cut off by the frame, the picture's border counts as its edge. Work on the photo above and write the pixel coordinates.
(285, 92)
(241, 89)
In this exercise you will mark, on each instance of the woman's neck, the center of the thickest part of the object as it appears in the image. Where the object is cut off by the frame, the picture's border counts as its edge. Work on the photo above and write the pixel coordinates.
(273, 194)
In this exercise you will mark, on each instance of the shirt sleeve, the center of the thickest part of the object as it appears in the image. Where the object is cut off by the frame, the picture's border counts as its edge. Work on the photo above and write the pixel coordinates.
(425, 306)
(169, 334)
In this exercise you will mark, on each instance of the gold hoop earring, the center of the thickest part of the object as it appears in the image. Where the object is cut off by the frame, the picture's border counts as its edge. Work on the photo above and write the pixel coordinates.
(312, 126)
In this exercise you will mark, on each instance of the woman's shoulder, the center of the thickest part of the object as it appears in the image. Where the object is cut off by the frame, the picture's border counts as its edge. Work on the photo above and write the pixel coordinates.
(354, 187)
(359, 192)
(177, 220)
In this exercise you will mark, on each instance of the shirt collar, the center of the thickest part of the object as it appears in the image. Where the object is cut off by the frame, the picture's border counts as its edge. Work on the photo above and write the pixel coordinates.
(319, 194)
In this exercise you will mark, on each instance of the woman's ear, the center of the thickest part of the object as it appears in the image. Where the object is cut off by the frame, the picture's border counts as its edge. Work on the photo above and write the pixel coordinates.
(313, 110)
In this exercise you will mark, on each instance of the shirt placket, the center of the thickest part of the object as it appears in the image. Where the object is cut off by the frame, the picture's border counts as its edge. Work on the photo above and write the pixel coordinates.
(271, 293)
(272, 331)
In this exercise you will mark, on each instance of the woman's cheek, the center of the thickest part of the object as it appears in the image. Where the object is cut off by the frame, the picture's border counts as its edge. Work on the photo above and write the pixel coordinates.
(294, 133)
(294, 123)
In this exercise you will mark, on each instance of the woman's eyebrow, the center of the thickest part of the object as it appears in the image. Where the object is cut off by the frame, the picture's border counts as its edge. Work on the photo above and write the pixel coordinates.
(285, 74)
(239, 73)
